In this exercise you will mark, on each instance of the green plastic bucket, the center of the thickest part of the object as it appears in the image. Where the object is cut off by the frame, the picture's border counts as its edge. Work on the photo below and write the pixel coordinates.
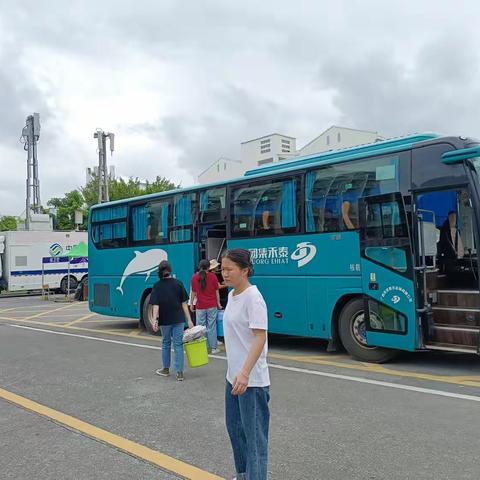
(197, 353)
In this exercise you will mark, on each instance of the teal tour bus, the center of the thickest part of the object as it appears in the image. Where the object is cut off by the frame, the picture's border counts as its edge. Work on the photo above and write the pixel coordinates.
(373, 247)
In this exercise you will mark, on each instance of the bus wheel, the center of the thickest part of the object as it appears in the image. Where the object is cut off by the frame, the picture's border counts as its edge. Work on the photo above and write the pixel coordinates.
(64, 284)
(353, 334)
(147, 320)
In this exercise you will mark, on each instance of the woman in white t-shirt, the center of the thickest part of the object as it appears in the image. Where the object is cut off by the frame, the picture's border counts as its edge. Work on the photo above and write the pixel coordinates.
(247, 394)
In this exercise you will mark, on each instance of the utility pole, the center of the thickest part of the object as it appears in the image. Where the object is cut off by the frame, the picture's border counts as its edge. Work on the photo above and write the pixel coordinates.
(102, 136)
(30, 136)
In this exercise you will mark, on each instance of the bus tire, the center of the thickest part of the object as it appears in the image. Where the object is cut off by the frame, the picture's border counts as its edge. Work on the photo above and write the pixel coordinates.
(146, 319)
(351, 328)
(64, 284)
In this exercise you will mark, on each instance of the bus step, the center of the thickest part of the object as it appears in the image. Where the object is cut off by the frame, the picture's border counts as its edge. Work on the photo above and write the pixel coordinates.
(458, 298)
(456, 316)
(447, 347)
(462, 336)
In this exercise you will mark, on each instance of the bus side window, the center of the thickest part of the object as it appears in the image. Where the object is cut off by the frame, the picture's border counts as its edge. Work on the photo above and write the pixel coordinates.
(332, 192)
(212, 205)
(267, 208)
(109, 227)
(181, 230)
(150, 222)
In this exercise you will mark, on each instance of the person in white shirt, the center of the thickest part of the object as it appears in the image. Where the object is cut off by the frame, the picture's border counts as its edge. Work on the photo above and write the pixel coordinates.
(247, 394)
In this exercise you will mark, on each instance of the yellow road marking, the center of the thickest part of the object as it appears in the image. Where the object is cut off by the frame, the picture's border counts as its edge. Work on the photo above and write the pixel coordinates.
(81, 319)
(54, 315)
(7, 309)
(374, 368)
(122, 332)
(470, 381)
(30, 307)
(49, 311)
(159, 459)
(135, 333)
(101, 321)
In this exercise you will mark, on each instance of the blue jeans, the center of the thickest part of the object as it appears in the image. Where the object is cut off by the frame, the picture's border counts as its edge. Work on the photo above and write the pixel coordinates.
(175, 331)
(208, 318)
(247, 418)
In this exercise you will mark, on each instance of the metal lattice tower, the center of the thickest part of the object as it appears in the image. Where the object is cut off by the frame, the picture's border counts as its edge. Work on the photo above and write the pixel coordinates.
(30, 136)
(102, 136)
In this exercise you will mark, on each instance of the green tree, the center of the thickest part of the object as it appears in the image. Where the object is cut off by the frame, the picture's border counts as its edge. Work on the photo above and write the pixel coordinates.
(87, 196)
(8, 223)
(160, 184)
(119, 189)
(66, 207)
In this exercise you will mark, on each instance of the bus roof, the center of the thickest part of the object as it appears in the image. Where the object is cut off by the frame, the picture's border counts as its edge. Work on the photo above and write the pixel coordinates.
(399, 143)
(333, 156)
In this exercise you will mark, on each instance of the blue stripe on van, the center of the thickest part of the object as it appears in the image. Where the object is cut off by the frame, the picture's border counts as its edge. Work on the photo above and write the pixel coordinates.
(20, 273)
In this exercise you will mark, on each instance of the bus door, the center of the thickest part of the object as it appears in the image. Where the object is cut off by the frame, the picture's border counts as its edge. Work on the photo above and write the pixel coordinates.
(212, 224)
(387, 272)
(448, 268)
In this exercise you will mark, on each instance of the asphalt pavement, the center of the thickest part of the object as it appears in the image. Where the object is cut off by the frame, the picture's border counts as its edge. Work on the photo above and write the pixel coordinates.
(332, 418)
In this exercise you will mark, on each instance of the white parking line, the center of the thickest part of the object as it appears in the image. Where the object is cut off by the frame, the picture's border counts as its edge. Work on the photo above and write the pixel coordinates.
(397, 386)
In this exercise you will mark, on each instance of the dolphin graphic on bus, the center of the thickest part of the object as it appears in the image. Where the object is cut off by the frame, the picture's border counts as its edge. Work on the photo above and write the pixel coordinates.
(143, 262)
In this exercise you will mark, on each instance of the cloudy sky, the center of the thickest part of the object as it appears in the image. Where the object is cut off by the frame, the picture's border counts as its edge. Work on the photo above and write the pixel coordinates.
(182, 83)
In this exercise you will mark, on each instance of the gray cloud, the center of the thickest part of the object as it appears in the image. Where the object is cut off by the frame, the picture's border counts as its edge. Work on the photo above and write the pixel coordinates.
(433, 90)
(183, 83)
(234, 115)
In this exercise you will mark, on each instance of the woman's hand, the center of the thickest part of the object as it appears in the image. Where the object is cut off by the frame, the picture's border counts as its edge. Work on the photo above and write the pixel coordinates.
(190, 324)
(192, 308)
(240, 384)
(155, 326)
(219, 306)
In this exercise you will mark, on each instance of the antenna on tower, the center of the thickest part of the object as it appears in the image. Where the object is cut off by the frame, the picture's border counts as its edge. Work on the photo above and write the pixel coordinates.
(101, 137)
(30, 136)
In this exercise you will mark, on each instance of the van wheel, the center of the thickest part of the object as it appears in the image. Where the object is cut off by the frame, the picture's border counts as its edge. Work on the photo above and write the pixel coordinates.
(352, 330)
(147, 320)
(64, 284)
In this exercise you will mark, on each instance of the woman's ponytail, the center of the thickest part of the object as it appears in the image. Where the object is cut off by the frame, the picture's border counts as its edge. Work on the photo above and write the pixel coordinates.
(203, 268)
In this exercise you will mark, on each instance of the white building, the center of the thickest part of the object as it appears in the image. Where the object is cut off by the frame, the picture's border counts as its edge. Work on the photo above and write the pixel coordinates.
(253, 153)
(221, 169)
(276, 148)
(335, 138)
(268, 149)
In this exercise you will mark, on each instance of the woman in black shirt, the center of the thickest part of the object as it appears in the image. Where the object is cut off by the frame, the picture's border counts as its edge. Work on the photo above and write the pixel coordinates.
(170, 309)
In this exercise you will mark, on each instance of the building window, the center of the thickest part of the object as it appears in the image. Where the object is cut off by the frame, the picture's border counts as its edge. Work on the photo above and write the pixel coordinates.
(218, 167)
(285, 150)
(265, 146)
(286, 142)
(264, 161)
(328, 139)
(338, 137)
